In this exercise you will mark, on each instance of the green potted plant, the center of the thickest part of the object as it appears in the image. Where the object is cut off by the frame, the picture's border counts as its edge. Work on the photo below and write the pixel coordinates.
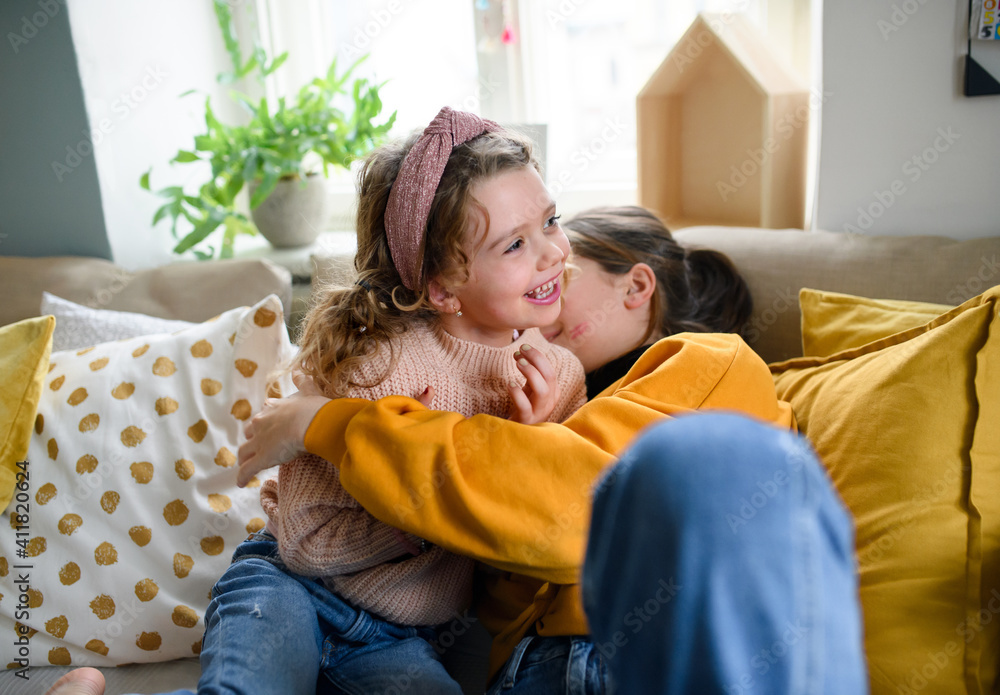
(277, 155)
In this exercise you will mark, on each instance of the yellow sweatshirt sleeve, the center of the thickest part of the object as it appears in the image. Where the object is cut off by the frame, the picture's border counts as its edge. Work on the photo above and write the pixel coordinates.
(515, 496)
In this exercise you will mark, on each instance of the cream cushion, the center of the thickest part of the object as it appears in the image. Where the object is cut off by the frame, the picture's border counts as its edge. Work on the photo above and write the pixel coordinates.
(133, 511)
(79, 326)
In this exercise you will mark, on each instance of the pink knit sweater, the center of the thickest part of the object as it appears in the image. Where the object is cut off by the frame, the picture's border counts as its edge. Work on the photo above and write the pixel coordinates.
(323, 532)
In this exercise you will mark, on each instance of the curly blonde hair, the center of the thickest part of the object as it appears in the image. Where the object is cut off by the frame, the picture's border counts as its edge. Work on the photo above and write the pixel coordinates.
(347, 325)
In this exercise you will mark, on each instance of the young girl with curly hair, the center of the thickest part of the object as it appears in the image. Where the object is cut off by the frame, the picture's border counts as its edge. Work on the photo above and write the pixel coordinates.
(460, 257)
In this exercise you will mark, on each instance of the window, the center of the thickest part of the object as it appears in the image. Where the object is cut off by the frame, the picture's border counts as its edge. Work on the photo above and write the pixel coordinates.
(584, 63)
(574, 66)
(577, 66)
(423, 50)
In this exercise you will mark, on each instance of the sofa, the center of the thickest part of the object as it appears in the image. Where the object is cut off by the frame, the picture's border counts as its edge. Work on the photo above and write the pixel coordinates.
(886, 347)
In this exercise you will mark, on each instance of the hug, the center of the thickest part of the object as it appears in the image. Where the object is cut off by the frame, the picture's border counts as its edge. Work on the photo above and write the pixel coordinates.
(620, 439)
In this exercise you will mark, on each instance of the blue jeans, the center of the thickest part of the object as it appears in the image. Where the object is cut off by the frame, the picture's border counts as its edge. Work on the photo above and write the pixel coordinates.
(721, 560)
(552, 666)
(269, 630)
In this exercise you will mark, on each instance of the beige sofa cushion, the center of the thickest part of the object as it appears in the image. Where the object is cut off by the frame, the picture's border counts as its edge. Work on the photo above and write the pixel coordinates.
(778, 263)
(190, 291)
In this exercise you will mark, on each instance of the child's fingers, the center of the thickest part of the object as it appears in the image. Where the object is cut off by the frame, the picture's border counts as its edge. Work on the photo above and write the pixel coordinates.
(535, 401)
(426, 397)
(541, 375)
(538, 360)
(521, 410)
(305, 384)
(537, 387)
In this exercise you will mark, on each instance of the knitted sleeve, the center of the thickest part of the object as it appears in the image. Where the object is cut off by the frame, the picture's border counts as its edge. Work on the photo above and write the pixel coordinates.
(321, 529)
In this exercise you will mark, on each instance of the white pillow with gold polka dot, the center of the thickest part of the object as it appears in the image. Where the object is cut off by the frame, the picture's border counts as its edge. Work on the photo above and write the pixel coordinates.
(127, 510)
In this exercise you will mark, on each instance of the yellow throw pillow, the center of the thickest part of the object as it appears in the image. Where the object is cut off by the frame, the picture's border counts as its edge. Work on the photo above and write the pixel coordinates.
(909, 428)
(24, 359)
(832, 322)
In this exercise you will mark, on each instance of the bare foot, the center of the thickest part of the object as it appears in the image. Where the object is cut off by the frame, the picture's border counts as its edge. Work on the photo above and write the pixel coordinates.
(80, 681)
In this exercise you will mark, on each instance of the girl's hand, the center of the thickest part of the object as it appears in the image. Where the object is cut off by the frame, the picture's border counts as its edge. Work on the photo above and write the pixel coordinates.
(534, 402)
(277, 433)
(426, 397)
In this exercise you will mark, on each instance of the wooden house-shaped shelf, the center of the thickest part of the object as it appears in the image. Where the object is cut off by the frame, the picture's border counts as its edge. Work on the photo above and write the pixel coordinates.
(723, 131)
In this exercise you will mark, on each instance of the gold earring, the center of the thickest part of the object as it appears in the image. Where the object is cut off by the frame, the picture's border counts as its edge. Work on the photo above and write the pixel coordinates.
(458, 313)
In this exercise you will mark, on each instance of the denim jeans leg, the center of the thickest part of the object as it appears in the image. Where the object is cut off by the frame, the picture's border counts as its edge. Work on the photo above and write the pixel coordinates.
(407, 665)
(262, 633)
(363, 653)
(721, 560)
(552, 666)
(269, 630)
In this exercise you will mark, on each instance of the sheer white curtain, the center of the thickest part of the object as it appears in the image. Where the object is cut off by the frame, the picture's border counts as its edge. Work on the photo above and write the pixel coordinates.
(424, 50)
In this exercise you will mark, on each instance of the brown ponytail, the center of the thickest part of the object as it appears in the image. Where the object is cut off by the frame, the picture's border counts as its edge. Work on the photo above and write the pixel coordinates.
(720, 299)
(698, 290)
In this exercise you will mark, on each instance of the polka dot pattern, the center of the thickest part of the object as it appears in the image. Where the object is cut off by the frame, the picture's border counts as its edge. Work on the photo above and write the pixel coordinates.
(142, 472)
(134, 506)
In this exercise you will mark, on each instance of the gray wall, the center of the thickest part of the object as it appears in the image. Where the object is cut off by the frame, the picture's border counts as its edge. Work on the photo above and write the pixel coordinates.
(50, 199)
(903, 152)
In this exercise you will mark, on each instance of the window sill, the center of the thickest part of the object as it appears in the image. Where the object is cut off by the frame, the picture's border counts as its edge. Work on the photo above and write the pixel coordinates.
(334, 248)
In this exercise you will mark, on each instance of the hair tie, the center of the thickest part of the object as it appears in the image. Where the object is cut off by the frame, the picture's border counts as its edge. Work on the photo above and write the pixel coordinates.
(413, 191)
(365, 284)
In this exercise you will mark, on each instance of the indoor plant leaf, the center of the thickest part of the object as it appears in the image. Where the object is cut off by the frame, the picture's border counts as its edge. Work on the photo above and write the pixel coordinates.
(271, 175)
(185, 156)
(274, 64)
(279, 139)
(196, 235)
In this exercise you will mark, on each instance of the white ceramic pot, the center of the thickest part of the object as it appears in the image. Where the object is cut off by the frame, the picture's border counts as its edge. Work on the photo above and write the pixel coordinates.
(294, 213)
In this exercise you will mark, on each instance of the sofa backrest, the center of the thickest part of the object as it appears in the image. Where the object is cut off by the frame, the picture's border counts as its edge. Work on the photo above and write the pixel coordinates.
(778, 263)
(189, 291)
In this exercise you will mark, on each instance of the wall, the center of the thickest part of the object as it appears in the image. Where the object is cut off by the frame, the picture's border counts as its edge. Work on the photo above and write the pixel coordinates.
(49, 192)
(902, 151)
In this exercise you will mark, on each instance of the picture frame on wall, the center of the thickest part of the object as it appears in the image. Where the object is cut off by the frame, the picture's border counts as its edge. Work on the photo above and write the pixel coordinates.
(982, 61)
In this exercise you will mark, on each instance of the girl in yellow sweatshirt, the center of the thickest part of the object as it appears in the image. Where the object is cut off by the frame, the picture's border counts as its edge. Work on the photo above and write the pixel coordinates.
(719, 558)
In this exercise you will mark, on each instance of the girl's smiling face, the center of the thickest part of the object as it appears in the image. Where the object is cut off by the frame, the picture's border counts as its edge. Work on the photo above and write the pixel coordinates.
(515, 268)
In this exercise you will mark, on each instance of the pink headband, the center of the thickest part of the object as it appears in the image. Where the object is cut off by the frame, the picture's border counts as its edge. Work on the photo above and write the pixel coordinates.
(418, 178)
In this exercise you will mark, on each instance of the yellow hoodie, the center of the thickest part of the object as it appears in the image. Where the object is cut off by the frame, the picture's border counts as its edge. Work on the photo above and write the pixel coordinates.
(517, 497)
